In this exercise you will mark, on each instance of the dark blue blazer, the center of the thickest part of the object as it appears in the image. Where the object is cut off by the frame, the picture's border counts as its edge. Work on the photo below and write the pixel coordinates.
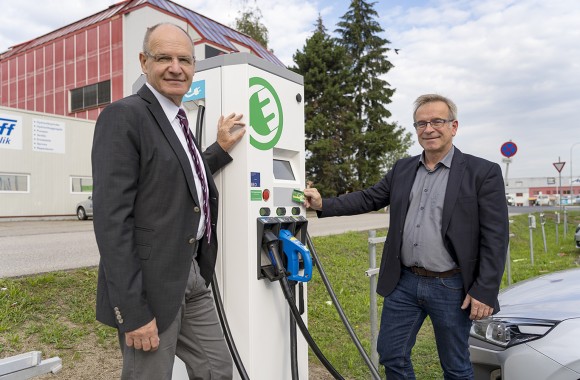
(146, 213)
(474, 228)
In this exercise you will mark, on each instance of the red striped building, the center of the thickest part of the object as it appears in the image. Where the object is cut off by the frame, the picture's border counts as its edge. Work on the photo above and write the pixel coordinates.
(80, 68)
(53, 88)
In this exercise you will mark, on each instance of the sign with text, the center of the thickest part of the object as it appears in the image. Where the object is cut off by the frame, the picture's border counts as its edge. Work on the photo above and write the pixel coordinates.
(48, 136)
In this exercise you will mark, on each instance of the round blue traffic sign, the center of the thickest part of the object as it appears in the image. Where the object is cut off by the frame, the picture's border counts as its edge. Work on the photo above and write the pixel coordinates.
(509, 149)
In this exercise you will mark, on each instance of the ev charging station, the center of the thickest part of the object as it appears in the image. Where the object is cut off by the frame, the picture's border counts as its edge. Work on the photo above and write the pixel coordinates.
(257, 197)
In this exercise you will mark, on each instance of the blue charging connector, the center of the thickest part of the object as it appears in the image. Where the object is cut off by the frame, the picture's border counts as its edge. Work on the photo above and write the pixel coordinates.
(294, 249)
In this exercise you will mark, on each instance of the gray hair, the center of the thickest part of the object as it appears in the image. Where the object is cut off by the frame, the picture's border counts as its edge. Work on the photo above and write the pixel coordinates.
(429, 98)
(152, 29)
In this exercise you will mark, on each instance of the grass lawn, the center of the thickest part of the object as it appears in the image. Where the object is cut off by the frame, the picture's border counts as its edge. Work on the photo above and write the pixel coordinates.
(54, 312)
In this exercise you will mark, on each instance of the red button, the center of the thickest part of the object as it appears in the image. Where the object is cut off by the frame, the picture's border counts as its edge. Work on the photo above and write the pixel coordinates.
(266, 194)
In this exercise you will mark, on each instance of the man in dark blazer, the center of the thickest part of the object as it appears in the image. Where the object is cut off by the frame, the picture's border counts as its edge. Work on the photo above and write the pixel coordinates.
(157, 251)
(446, 247)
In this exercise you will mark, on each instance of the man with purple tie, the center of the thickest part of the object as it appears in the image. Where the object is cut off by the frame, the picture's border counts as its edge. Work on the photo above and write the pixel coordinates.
(156, 209)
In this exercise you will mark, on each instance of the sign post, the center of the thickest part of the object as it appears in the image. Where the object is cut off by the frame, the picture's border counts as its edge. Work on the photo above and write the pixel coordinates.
(559, 166)
(508, 150)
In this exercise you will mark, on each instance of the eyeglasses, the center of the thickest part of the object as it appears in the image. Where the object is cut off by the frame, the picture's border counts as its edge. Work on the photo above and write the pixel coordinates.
(435, 123)
(164, 59)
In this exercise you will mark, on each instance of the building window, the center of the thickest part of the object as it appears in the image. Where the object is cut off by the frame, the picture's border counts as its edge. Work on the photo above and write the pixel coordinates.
(14, 183)
(81, 185)
(519, 194)
(90, 96)
(210, 51)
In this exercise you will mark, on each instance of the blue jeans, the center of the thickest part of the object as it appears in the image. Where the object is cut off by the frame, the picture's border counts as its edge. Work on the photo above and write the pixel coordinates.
(404, 311)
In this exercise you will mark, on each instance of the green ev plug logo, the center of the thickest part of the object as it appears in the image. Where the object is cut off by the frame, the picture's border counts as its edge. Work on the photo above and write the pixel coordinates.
(266, 117)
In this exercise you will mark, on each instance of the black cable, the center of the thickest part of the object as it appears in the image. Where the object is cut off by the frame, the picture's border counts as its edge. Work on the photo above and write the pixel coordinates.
(347, 325)
(226, 329)
(296, 314)
(293, 341)
(199, 123)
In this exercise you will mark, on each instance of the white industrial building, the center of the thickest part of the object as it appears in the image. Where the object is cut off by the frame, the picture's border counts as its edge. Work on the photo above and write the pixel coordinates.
(525, 191)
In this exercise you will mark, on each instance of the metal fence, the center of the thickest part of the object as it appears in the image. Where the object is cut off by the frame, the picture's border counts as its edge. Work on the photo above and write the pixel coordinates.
(373, 273)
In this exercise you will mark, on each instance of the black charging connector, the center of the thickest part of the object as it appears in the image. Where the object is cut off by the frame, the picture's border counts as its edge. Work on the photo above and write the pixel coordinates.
(270, 244)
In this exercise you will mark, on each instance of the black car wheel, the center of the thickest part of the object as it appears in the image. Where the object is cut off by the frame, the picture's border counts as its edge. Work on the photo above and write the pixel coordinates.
(81, 214)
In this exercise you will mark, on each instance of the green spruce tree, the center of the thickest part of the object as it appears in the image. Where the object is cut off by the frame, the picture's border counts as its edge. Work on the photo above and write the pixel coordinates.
(330, 118)
(378, 141)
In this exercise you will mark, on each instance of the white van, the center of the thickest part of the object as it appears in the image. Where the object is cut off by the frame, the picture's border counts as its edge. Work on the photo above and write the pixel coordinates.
(510, 200)
(543, 200)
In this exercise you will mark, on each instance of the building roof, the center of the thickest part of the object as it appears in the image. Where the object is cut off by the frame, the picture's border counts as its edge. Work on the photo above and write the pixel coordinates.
(210, 30)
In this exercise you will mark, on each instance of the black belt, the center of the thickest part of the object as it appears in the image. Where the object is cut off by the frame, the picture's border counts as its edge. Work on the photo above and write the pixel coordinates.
(427, 273)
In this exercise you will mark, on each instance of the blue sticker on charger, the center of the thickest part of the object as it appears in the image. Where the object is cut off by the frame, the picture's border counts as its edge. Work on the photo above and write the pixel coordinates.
(255, 179)
(196, 91)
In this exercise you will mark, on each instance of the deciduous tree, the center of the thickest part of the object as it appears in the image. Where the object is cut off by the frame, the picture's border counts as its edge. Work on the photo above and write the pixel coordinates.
(249, 21)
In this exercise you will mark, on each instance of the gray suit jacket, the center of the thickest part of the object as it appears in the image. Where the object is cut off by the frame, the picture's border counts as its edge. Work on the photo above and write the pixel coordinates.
(146, 213)
(474, 227)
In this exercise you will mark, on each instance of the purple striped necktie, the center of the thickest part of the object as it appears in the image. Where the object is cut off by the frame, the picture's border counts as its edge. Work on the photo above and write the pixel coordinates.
(198, 169)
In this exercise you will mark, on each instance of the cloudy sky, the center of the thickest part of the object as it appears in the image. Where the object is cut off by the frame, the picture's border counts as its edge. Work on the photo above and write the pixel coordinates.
(512, 66)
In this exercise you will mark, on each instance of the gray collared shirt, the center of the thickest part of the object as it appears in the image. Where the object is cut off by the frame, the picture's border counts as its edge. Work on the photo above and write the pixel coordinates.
(422, 240)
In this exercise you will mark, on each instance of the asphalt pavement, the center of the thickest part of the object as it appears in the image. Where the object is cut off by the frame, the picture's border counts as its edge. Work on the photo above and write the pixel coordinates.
(38, 246)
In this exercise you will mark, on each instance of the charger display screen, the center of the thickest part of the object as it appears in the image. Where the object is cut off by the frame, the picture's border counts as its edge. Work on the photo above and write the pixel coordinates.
(283, 170)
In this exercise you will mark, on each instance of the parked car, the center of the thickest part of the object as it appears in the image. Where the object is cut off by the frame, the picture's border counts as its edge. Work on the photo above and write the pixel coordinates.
(576, 200)
(536, 333)
(577, 236)
(85, 208)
